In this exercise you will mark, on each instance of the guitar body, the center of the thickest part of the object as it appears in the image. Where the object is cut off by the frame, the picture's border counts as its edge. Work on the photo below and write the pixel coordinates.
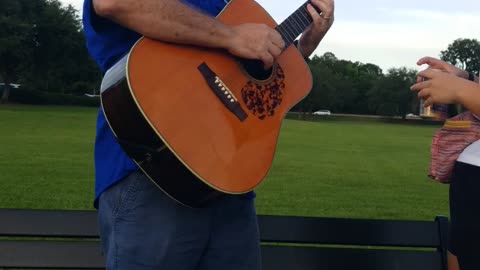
(194, 120)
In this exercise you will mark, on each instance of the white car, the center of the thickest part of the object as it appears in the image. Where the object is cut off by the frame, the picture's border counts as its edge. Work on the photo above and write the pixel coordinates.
(322, 112)
(13, 85)
(412, 116)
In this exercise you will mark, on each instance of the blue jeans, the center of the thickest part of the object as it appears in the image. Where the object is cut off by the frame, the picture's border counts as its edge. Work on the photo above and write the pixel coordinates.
(142, 228)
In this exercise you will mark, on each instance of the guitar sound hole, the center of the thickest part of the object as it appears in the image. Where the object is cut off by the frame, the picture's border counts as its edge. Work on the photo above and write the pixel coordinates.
(255, 69)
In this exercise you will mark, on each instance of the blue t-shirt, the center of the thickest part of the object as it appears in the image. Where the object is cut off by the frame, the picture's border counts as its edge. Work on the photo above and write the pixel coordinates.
(108, 42)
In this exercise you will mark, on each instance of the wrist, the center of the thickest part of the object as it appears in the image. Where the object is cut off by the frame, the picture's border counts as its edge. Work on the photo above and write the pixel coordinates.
(463, 74)
(466, 91)
(469, 96)
(460, 96)
(301, 50)
(226, 34)
(471, 77)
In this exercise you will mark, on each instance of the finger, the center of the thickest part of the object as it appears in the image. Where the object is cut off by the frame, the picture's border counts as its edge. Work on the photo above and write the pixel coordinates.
(428, 73)
(420, 79)
(323, 7)
(274, 51)
(424, 94)
(278, 40)
(313, 13)
(267, 60)
(432, 63)
(428, 102)
(420, 86)
(426, 60)
(316, 5)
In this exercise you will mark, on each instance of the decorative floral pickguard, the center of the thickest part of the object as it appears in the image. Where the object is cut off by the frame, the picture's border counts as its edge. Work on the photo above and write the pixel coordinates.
(263, 99)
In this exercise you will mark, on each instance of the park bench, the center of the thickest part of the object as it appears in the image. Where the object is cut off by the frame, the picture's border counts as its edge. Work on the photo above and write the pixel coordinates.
(49, 239)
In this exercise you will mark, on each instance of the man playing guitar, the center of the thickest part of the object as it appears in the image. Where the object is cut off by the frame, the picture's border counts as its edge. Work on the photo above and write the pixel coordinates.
(141, 227)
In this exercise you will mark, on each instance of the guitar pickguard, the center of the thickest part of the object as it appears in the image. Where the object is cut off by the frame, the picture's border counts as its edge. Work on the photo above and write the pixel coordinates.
(262, 99)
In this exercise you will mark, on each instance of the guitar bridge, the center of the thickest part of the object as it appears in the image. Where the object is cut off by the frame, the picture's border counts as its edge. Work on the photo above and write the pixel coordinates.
(223, 87)
(221, 90)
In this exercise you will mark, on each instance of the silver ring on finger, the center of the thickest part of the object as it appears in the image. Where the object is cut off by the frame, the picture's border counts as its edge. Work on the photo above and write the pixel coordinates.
(324, 17)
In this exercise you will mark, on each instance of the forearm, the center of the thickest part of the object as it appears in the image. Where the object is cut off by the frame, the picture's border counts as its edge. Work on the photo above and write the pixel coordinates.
(469, 97)
(308, 42)
(166, 20)
(475, 78)
(306, 46)
(465, 74)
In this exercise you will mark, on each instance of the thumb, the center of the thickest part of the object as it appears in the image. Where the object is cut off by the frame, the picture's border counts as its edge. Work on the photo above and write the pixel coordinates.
(428, 102)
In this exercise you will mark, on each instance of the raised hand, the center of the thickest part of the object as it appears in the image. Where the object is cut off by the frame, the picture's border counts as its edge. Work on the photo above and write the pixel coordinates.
(435, 63)
(439, 87)
(322, 22)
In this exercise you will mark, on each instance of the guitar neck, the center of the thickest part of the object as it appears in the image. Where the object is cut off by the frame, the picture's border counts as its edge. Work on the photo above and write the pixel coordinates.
(295, 24)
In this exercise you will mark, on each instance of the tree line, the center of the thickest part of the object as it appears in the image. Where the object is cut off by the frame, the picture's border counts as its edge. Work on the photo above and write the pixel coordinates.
(42, 47)
(357, 88)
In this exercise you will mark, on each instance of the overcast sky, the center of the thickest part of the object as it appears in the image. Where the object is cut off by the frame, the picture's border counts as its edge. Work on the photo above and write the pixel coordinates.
(388, 33)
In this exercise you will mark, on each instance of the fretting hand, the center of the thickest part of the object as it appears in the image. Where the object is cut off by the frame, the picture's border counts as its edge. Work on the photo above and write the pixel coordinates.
(322, 22)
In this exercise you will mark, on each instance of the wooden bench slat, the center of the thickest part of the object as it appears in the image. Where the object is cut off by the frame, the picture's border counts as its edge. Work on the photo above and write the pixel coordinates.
(304, 258)
(349, 231)
(87, 255)
(53, 254)
(48, 223)
(74, 254)
(83, 224)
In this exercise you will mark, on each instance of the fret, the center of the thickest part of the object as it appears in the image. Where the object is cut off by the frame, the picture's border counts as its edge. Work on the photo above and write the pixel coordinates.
(281, 33)
(305, 14)
(300, 20)
(286, 31)
(295, 24)
(303, 11)
(293, 27)
(287, 38)
(291, 31)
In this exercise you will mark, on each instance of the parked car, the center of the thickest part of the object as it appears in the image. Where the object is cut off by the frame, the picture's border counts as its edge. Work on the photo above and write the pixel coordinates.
(12, 85)
(322, 112)
(412, 116)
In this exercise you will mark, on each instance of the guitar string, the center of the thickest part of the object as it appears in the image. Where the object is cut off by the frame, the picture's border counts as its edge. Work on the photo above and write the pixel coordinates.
(286, 32)
(292, 33)
(301, 17)
(304, 22)
(295, 24)
(306, 16)
(292, 21)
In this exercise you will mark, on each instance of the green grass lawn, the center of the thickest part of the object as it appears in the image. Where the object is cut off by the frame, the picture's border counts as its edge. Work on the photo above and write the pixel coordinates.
(330, 169)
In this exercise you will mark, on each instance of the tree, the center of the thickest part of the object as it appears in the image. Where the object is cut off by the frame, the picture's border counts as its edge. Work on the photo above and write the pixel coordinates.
(60, 58)
(16, 40)
(42, 46)
(464, 53)
(367, 77)
(323, 92)
(339, 85)
(391, 95)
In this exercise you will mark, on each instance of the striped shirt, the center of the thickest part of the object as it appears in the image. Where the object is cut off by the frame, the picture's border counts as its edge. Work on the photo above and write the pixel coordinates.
(471, 154)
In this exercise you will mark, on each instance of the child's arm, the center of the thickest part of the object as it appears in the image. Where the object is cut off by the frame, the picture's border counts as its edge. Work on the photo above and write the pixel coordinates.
(469, 97)
(446, 88)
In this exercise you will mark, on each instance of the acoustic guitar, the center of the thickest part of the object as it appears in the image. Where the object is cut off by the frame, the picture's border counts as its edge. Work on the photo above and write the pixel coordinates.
(201, 123)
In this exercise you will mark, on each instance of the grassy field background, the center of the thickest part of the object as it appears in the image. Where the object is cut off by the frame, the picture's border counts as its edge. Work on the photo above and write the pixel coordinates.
(327, 168)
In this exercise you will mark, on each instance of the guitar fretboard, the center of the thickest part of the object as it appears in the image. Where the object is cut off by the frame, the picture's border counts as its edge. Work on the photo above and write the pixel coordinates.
(295, 24)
